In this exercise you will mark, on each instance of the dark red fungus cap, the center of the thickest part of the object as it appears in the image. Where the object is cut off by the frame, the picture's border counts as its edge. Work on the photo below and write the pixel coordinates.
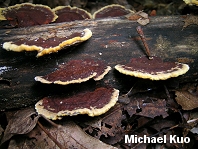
(76, 71)
(48, 43)
(67, 14)
(113, 10)
(27, 14)
(154, 69)
(92, 103)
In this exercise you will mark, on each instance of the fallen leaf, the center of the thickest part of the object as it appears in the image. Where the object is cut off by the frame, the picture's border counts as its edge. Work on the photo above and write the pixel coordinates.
(192, 121)
(22, 122)
(194, 130)
(142, 121)
(124, 99)
(143, 21)
(149, 107)
(187, 100)
(163, 124)
(108, 126)
(111, 123)
(69, 135)
(140, 16)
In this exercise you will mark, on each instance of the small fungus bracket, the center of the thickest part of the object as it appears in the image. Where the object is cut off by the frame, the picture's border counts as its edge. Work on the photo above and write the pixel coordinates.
(92, 103)
(67, 14)
(48, 44)
(76, 71)
(27, 14)
(154, 69)
(113, 10)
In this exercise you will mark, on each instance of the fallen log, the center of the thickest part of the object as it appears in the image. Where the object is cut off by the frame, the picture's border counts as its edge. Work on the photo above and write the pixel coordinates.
(114, 40)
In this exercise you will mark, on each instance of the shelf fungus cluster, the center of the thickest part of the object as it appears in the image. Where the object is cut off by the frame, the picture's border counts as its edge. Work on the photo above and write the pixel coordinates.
(92, 103)
(76, 71)
(151, 67)
(27, 14)
(47, 44)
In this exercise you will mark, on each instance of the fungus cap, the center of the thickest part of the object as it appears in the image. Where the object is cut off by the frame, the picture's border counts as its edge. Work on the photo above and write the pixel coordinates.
(48, 44)
(92, 103)
(113, 10)
(27, 14)
(154, 69)
(76, 71)
(67, 14)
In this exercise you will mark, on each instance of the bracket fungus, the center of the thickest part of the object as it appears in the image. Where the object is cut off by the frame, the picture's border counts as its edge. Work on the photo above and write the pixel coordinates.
(92, 103)
(154, 69)
(27, 14)
(151, 67)
(47, 44)
(113, 10)
(67, 14)
(76, 71)
(191, 2)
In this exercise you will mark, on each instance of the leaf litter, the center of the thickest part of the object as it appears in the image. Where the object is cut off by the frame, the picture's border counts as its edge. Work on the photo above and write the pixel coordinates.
(187, 98)
(152, 111)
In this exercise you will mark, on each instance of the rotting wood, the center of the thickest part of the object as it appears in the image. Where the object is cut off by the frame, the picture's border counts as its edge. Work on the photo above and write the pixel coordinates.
(114, 41)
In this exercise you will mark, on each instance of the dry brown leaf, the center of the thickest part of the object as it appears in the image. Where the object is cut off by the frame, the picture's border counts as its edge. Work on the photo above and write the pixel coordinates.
(22, 122)
(107, 126)
(111, 122)
(140, 16)
(143, 21)
(187, 100)
(143, 121)
(163, 124)
(191, 118)
(148, 107)
(69, 135)
(37, 140)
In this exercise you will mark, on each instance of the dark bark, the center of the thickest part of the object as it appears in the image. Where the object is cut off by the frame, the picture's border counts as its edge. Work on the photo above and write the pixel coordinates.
(114, 41)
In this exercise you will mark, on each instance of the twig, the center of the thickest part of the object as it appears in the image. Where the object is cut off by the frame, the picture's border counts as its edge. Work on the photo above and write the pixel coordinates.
(51, 122)
(50, 136)
(141, 33)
